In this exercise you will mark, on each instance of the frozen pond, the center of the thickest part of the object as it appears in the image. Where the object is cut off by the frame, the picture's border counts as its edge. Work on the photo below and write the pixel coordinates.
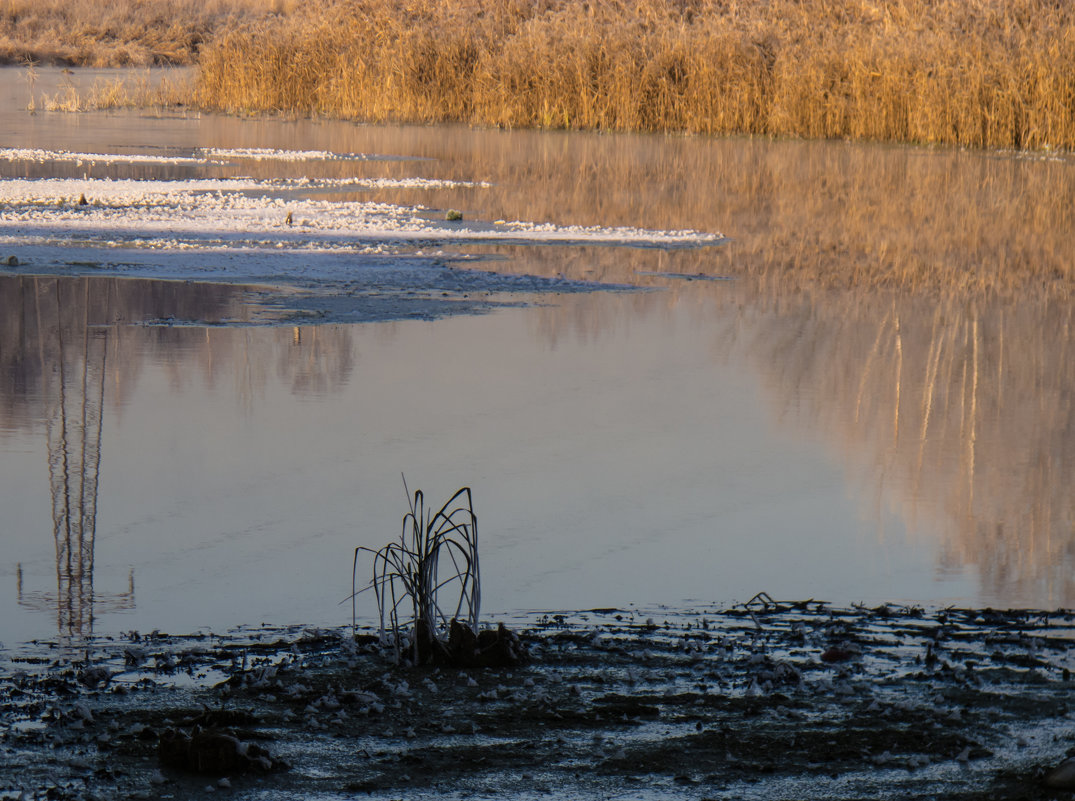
(213, 372)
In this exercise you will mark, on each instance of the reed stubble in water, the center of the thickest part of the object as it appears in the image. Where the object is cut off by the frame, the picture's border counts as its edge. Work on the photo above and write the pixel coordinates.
(976, 73)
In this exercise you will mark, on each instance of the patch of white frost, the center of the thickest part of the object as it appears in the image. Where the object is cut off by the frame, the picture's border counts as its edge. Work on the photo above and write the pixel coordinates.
(41, 156)
(204, 155)
(271, 154)
(276, 214)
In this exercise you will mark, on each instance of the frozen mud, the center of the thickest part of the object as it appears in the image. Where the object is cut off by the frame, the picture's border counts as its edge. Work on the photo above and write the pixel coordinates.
(765, 700)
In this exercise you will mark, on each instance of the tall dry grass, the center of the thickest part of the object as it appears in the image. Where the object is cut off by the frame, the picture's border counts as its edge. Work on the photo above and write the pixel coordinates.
(982, 73)
(141, 89)
(120, 33)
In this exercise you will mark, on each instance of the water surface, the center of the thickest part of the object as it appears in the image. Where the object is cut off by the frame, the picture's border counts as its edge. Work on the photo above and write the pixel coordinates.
(799, 428)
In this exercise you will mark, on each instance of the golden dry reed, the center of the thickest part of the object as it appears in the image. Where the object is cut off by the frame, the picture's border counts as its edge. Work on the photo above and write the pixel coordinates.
(140, 89)
(119, 33)
(980, 73)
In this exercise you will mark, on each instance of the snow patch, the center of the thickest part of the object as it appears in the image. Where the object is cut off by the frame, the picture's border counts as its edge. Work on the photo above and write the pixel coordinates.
(271, 154)
(204, 155)
(39, 155)
(263, 214)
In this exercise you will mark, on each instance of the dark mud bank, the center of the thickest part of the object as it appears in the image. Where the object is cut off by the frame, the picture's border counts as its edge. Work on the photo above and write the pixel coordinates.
(767, 701)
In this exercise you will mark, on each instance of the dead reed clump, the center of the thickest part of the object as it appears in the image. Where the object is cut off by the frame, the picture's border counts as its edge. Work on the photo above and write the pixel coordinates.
(976, 73)
(436, 556)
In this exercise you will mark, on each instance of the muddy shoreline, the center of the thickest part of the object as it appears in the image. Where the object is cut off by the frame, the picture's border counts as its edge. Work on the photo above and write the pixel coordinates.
(770, 700)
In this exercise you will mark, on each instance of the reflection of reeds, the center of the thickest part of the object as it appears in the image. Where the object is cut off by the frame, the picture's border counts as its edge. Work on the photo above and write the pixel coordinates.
(798, 214)
(957, 412)
(970, 72)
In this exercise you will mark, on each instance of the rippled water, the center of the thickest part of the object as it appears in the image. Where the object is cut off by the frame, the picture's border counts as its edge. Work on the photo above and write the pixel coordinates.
(721, 419)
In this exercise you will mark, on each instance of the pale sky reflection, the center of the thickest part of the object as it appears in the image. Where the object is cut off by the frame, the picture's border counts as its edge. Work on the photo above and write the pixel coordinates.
(650, 462)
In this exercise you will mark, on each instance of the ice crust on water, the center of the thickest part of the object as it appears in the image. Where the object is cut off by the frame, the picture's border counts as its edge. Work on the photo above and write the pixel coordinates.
(205, 155)
(44, 189)
(272, 154)
(351, 260)
(41, 156)
(211, 213)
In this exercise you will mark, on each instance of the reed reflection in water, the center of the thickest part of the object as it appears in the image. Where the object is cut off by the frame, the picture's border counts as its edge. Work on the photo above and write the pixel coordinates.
(950, 415)
(813, 213)
(954, 413)
(832, 214)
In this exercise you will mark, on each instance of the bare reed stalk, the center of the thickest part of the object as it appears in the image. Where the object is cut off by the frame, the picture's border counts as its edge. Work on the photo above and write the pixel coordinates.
(981, 73)
(436, 552)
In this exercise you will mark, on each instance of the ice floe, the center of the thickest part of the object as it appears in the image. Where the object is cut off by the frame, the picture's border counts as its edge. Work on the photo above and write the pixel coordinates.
(274, 213)
(39, 155)
(272, 154)
(352, 259)
(201, 155)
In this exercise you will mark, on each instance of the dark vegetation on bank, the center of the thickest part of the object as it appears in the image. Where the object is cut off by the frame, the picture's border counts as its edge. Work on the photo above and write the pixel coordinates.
(979, 73)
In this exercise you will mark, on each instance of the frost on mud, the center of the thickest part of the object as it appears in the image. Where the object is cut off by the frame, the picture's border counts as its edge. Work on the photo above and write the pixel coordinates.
(734, 703)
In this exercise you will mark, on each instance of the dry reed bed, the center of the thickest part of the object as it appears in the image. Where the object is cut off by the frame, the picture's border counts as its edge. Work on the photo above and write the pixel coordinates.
(119, 33)
(980, 73)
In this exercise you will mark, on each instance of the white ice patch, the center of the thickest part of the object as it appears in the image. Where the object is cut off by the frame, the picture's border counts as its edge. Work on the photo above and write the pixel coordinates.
(271, 154)
(41, 156)
(202, 155)
(211, 214)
